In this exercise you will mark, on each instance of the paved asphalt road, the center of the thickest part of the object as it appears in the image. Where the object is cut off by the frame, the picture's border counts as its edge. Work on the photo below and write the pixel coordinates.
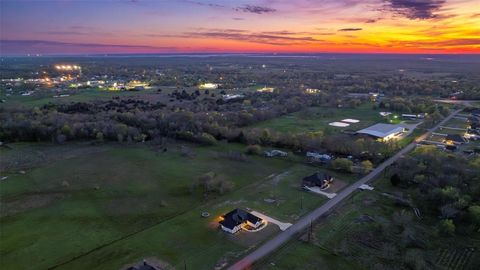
(305, 221)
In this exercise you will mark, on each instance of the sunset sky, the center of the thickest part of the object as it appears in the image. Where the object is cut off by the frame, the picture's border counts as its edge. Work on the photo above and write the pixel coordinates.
(273, 26)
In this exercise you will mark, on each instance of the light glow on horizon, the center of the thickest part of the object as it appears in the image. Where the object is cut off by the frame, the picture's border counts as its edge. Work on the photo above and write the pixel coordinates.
(243, 26)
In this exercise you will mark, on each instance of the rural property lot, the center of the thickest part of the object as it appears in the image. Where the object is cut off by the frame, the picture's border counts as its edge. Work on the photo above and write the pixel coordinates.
(318, 118)
(346, 232)
(102, 207)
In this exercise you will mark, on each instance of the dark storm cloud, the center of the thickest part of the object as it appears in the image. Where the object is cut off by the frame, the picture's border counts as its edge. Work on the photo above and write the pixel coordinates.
(416, 9)
(350, 29)
(255, 9)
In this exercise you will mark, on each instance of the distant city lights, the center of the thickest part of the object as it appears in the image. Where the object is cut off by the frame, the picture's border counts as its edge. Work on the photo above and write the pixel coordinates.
(208, 86)
(67, 67)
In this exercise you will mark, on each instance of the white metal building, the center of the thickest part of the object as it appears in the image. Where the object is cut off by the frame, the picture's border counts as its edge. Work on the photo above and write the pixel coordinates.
(383, 131)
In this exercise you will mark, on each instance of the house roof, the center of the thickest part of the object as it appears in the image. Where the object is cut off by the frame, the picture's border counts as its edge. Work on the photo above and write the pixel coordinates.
(317, 178)
(237, 217)
(456, 138)
(143, 266)
(381, 130)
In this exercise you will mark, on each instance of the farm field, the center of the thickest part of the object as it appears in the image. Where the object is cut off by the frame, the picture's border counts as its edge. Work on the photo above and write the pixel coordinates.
(317, 119)
(82, 206)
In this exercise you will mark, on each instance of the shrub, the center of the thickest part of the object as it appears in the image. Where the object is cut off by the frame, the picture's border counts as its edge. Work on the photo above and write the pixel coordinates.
(342, 164)
(447, 227)
(206, 139)
(254, 149)
(366, 165)
(474, 214)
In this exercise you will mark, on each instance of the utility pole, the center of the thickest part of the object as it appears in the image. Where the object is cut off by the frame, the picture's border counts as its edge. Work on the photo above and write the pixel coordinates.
(310, 230)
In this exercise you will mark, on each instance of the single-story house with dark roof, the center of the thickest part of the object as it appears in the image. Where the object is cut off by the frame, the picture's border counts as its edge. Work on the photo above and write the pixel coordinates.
(455, 139)
(451, 147)
(475, 125)
(473, 119)
(233, 221)
(317, 180)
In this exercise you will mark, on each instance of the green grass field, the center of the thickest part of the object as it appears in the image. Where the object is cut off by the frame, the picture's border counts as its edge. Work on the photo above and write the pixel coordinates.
(457, 123)
(318, 118)
(81, 95)
(301, 255)
(100, 207)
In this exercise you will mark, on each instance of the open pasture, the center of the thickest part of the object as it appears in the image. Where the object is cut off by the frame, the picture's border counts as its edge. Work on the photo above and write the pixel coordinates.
(105, 206)
(318, 119)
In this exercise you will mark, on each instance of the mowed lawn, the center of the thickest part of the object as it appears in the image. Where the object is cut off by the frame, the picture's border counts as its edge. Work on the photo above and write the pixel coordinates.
(317, 119)
(104, 209)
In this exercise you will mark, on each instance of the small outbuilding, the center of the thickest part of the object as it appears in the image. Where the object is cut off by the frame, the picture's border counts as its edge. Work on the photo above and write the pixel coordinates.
(275, 153)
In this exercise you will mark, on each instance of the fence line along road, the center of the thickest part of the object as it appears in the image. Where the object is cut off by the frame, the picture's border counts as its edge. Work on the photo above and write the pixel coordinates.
(305, 221)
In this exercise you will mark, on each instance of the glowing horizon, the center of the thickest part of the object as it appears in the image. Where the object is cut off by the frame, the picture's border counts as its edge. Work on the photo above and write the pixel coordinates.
(244, 26)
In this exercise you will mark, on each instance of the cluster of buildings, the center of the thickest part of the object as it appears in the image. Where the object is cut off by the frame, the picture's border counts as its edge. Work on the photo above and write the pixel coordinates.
(373, 96)
(240, 219)
(69, 76)
(312, 91)
(473, 130)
